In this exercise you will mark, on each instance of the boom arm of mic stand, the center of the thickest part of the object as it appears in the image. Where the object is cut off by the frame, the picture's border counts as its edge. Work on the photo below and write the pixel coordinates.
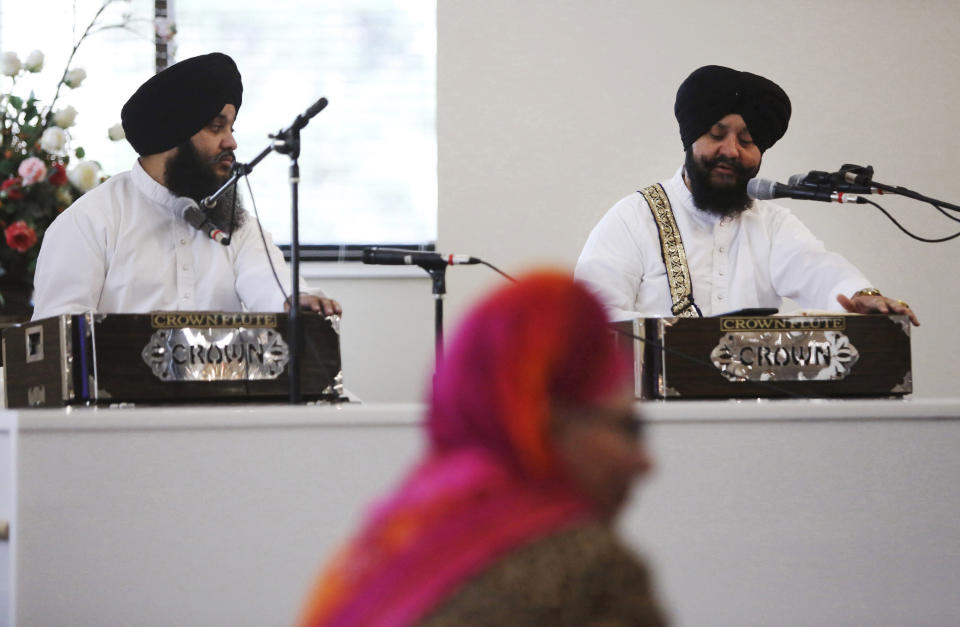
(864, 176)
(238, 170)
(909, 193)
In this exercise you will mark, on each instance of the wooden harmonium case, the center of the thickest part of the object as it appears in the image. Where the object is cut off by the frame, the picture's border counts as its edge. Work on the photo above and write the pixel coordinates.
(167, 357)
(770, 356)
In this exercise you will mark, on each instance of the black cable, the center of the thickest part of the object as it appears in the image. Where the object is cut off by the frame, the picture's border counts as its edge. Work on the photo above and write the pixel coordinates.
(909, 193)
(940, 209)
(496, 269)
(263, 238)
(916, 237)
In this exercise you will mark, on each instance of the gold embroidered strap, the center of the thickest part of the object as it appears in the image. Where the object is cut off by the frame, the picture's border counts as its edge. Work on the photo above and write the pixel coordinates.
(674, 257)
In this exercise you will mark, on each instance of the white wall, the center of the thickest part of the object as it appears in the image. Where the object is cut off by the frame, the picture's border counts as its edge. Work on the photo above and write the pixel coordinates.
(550, 111)
(386, 335)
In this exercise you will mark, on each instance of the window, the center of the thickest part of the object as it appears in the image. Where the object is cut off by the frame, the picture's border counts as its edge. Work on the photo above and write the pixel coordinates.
(368, 161)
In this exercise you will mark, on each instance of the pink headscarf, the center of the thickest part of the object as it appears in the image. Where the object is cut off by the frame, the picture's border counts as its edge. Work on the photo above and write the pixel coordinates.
(490, 482)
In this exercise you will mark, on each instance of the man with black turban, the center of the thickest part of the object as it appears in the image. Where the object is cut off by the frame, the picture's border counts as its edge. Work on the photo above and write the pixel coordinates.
(125, 247)
(696, 244)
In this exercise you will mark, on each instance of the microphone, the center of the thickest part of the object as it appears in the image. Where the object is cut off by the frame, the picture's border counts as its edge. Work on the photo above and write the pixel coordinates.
(305, 117)
(835, 182)
(196, 218)
(426, 260)
(762, 189)
(316, 108)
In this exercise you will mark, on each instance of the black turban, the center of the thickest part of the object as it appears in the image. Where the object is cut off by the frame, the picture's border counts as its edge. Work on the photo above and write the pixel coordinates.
(175, 104)
(713, 91)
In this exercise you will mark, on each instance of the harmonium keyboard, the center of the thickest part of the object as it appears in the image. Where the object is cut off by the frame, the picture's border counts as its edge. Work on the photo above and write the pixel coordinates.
(168, 357)
(801, 356)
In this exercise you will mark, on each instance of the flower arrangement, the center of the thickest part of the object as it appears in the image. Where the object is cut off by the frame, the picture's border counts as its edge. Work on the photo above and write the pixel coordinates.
(39, 175)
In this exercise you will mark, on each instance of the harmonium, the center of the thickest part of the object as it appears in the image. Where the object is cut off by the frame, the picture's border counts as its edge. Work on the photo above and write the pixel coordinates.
(743, 356)
(168, 357)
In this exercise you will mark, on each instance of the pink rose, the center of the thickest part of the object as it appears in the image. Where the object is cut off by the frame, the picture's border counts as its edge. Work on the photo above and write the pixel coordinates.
(31, 170)
(20, 236)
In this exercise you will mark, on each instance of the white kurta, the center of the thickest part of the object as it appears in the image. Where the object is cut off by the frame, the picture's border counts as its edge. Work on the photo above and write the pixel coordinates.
(122, 248)
(753, 260)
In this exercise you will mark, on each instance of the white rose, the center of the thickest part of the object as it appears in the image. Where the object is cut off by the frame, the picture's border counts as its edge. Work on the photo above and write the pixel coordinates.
(85, 176)
(115, 132)
(64, 118)
(54, 140)
(34, 62)
(10, 64)
(74, 77)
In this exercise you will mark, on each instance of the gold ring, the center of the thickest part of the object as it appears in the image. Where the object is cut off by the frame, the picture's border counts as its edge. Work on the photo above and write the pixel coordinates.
(902, 303)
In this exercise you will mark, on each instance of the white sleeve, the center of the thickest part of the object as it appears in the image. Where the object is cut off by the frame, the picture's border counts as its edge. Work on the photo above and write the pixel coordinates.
(71, 266)
(803, 270)
(255, 282)
(612, 261)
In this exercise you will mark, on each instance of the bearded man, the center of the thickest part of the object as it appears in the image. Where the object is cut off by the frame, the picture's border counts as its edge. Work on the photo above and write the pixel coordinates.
(125, 246)
(696, 244)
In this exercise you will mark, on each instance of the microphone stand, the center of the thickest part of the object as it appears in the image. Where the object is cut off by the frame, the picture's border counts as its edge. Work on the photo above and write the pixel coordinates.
(285, 142)
(439, 276)
(433, 264)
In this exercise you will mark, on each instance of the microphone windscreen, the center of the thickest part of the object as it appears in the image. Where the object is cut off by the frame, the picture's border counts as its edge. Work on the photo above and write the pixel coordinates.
(183, 204)
(761, 189)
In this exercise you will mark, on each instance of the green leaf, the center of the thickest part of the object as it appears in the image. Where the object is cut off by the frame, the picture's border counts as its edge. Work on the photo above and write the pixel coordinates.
(7, 166)
(16, 102)
(80, 152)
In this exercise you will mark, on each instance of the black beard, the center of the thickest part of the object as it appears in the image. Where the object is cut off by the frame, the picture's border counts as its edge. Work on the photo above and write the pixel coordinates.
(186, 173)
(721, 201)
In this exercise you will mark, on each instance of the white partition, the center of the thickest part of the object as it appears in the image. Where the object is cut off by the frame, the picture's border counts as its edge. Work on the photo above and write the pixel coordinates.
(190, 516)
(774, 513)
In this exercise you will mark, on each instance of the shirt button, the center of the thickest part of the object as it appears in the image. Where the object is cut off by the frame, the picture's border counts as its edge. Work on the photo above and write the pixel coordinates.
(719, 296)
(183, 242)
(186, 267)
(722, 272)
(722, 249)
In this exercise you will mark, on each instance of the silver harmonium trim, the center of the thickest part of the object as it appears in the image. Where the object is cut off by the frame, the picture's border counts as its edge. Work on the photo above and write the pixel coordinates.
(216, 354)
(784, 349)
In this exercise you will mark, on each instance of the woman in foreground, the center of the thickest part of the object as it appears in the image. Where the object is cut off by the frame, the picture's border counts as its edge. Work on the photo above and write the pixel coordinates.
(533, 446)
